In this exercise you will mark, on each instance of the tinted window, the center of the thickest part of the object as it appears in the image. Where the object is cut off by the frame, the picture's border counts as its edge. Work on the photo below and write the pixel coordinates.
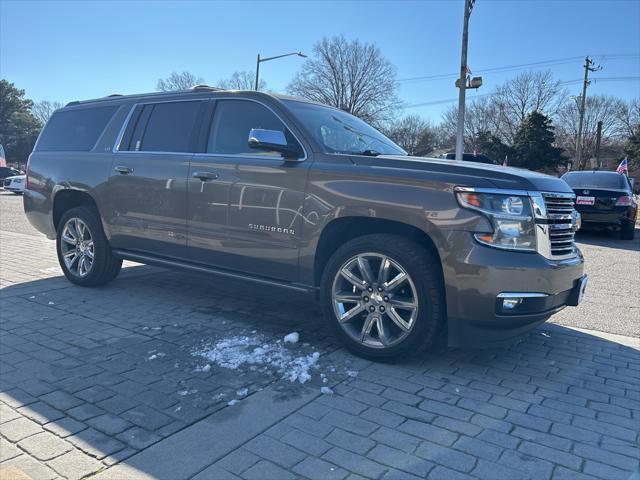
(597, 180)
(232, 122)
(75, 130)
(169, 127)
(8, 172)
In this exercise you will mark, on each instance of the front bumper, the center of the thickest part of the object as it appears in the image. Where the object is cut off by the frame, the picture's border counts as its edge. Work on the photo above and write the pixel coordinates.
(475, 276)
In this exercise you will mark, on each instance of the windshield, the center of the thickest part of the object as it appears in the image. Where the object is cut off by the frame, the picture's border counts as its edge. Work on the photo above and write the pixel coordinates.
(341, 132)
(596, 180)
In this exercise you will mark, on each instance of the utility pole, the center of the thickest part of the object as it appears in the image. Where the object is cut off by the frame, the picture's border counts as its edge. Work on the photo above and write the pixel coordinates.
(588, 67)
(598, 139)
(468, 6)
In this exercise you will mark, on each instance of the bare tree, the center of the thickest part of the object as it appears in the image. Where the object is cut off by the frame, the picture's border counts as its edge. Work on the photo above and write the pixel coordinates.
(44, 109)
(350, 75)
(628, 118)
(528, 92)
(242, 80)
(598, 108)
(413, 133)
(482, 115)
(178, 81)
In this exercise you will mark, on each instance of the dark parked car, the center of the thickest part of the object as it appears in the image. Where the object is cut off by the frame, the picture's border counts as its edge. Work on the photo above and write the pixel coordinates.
(605, 200)
(281, 191)
(472, 157)
(6, 172)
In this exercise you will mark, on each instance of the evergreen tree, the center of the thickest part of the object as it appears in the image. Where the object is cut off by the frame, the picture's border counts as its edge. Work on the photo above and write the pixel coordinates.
(491, 146)
(19, 129)
(632, 150)
(533, 144)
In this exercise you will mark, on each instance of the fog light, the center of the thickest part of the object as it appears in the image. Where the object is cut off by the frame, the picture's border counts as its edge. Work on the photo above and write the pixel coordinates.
(511, 303)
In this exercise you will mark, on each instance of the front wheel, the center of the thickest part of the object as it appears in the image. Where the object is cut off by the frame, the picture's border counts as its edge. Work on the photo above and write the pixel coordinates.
(383, 295)
(83, 250)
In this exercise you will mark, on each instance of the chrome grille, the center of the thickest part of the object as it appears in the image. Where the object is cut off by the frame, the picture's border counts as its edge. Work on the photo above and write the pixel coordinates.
(560, 218)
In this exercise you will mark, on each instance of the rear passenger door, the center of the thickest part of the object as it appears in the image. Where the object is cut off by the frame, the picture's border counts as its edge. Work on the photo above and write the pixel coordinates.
(148, 182)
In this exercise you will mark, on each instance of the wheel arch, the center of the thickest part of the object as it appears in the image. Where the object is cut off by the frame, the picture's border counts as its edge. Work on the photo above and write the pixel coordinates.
(69, 198)
(344, 229)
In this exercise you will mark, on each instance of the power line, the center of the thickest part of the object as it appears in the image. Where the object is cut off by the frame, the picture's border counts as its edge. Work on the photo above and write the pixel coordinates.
(563, 82)
(554, 62)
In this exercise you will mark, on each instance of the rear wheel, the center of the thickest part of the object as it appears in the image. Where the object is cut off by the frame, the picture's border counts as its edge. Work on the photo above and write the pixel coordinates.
(628, 231)
(383, 296)
(83, 250)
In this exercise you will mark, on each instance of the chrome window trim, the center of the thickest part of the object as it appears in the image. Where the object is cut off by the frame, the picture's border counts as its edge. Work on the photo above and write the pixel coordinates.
(116, 147)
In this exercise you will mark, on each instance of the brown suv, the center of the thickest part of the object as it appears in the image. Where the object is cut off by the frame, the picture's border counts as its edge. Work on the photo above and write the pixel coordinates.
(282, 191)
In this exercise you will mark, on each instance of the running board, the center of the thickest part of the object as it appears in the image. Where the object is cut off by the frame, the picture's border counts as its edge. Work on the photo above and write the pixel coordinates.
(161, 262)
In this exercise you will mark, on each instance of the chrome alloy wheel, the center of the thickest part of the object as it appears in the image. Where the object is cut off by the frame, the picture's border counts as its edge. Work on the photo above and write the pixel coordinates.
(376, 309)
(77, 248)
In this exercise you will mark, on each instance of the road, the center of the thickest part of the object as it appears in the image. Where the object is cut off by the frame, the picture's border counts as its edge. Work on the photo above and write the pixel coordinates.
(611, 304)
(171, 375)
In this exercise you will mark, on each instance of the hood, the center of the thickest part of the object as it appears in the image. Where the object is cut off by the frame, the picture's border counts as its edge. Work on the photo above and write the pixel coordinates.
(499, 176)
(16, 177)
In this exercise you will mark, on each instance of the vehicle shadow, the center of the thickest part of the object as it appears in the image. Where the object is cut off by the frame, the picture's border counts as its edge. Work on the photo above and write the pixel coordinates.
(608, 239)
(113, 370)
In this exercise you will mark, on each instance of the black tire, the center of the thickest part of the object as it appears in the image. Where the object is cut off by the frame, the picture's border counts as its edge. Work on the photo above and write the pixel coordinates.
(628, 231)
(105, 266)
(424, 269)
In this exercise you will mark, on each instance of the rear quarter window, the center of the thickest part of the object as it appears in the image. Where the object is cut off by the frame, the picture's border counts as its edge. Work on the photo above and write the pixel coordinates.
(75, 130)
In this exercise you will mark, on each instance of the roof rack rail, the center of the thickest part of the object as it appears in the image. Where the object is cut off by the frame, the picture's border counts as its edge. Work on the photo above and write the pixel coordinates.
(114, 95)
(203, 86)
(75, 102)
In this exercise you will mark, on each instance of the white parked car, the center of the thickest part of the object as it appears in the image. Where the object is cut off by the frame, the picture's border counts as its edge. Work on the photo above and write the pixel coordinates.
(15, 184)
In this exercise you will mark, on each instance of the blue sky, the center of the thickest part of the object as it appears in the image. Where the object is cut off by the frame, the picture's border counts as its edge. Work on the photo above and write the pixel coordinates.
(74, 50)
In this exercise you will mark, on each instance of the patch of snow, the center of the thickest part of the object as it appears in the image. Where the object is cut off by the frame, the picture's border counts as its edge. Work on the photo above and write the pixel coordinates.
(152, 357)
(326, 391)
(231, 403)
(293, 337)
(51, 303)
(352, 373)
(184, 393)
(243, 392)
(203, 368)
(238, 351)
(32, 297)
(177, 409)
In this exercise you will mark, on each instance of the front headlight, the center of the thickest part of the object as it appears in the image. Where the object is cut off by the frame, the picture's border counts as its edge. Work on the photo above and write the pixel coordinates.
(510, 215)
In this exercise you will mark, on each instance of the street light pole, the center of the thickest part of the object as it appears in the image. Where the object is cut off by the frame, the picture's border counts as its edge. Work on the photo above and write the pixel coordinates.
(257, 72)
(260, 60)
(468, 5)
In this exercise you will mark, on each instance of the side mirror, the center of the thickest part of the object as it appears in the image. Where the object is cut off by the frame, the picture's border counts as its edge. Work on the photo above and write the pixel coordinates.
(273, 140)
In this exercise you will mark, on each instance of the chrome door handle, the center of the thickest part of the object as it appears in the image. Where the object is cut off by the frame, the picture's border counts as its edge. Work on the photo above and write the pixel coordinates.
(205, 176)
(123, 170)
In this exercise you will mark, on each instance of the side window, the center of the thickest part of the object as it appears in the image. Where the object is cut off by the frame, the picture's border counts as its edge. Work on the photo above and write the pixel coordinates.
(75, 129)
(166, 127)
(232, 122)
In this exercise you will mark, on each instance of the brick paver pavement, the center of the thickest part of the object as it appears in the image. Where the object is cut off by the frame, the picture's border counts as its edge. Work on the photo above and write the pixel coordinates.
(105, 381)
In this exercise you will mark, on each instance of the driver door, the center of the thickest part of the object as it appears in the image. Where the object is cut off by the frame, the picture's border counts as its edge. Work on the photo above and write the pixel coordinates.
(262, 194)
